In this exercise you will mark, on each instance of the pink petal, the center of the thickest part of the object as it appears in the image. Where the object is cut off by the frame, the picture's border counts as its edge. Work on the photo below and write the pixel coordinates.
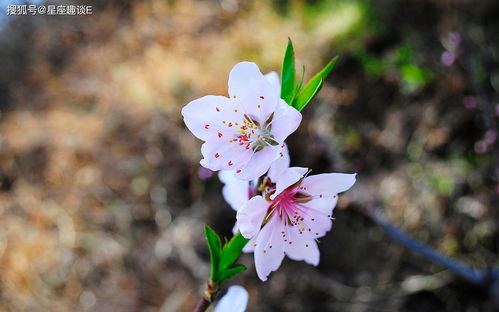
(287, 178)
(222, 155)
(302, 246)
(250, 216)
(328, 184)
(250, 246)
(318, 216)
(252, 92)
(259, 163)
(286, 121)
(204, 116)
(280, 164)
(235, 191)
(269, 250)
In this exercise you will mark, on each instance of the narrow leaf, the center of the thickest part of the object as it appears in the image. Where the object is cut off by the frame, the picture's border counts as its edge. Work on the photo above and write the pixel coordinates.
(288, 74)
(313, 86)
(224, 275)
(232, 251)
(298, 87)
(215, 248)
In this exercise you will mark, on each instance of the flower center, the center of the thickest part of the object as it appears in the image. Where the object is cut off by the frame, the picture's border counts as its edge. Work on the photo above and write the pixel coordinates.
(254, 135)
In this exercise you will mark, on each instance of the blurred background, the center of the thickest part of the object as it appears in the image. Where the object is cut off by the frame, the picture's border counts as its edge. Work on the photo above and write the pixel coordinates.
(103, 201)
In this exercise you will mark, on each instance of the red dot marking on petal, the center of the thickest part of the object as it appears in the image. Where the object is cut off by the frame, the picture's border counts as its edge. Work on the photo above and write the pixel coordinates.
(282, 154)
(219, 135)
(282, 146)
(238, 171)
(218, 109)
(230, 124)
(230, 163)
(217, 155)
(261, 96)
(206, 126)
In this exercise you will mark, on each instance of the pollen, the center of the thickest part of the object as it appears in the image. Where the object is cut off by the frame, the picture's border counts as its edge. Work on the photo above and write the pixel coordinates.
(234, 96)
(235, 110)
(258, 106)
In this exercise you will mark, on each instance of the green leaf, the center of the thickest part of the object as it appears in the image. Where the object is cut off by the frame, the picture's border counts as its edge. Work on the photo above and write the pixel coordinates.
(313, 86)
(288, 74)
(215, 247)
(232, 251)
(298, 87)
(224, 275)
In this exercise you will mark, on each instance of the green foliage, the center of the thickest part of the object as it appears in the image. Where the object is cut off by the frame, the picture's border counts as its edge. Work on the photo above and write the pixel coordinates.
(215, 247)
(288, 74)
(223, 258)
(313, 86)
(233, 271)
(293, 94)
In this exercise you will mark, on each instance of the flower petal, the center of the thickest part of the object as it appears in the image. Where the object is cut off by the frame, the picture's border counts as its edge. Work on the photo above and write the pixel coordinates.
(274, 80)
(250, 216)
(280, 164)
(235, 300)
(259, 163)
(286, 121)
(287, 178)
(222, 155)
(235, 191)
(269, 250)
(250, 246)
(249, 89)
(302, 246)
(204, 116)
(318, 218)
(328, 184)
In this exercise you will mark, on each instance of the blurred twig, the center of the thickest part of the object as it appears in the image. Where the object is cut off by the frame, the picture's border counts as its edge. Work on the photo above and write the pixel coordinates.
(487, 278)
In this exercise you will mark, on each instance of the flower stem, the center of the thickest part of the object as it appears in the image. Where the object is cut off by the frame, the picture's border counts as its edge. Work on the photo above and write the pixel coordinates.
(207, 298)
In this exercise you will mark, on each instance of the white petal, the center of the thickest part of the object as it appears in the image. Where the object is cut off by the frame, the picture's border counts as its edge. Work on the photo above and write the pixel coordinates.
(287, 178)
(274, 80)
(235, 300)
(328, 184)
(286, 121)
(204, 116)
(222, 155)
(250, 246)
(259, 163)
(235, 191)
(249, 89)
(250, 216)
(302, 247)
(269, 250)
(280, 164)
